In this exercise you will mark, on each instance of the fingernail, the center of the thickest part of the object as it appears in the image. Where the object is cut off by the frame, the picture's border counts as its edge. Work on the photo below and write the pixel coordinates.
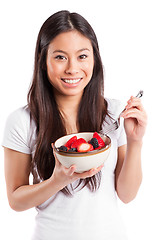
(73, 168)
(122, 114)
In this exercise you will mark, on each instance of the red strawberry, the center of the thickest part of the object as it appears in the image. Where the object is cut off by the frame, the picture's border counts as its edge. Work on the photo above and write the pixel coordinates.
(76, 143)
(97, 148)
(100, 140)
(85, 147)
(70, 141)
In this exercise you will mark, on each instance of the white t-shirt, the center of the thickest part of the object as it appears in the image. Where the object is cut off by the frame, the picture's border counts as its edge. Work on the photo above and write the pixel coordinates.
(86, 215)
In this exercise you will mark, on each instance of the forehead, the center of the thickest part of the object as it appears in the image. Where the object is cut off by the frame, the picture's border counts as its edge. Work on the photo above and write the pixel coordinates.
(70, 41)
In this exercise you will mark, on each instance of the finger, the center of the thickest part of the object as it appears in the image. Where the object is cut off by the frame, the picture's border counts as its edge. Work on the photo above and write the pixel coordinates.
(87, 174)
(135, 113)
(134, 102)
(94, 171)
(71, 170)
(129, 111)
(100, 167)
(91, 172)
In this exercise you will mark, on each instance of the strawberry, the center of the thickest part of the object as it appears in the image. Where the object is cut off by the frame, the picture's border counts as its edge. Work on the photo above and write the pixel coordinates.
(76, 143)
(85, 147)
(70, 141)
(100, 140)
(98, 148)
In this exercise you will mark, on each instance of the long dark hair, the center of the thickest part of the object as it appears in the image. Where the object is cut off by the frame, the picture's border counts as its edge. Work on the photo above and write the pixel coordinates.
(42, 104)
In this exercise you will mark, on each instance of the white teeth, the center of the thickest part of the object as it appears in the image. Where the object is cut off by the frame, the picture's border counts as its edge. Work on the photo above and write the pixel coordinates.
(71, 80)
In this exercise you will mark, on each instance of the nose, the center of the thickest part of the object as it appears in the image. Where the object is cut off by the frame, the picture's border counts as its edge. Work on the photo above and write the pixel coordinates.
(72, 67)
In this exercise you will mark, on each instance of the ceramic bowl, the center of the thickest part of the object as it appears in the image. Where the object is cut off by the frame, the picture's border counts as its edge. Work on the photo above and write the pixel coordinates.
(86, 160)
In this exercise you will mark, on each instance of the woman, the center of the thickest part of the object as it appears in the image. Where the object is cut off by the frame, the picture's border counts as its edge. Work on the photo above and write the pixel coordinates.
(66, 96)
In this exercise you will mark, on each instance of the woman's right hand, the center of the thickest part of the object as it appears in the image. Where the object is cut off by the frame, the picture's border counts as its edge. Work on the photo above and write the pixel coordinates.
(64, 176)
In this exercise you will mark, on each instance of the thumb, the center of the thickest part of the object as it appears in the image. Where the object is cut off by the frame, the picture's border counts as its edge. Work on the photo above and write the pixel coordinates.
(71, 170)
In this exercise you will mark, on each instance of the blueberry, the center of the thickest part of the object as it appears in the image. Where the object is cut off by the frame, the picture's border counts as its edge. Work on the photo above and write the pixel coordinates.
(63, 148)
(72, 150)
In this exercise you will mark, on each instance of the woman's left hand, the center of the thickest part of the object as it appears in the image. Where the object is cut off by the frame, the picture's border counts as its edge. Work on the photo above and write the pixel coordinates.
(135, 119)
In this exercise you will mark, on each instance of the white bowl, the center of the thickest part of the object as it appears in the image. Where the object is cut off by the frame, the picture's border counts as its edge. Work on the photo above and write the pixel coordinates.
(84, 161)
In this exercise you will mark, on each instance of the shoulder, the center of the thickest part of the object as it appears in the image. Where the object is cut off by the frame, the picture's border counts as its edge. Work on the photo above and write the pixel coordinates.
(18, 130)
(115, 107)
(19, 114)
(19, 119)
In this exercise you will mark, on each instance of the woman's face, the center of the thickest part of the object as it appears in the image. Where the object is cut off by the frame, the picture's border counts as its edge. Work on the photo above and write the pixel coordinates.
(70, 63)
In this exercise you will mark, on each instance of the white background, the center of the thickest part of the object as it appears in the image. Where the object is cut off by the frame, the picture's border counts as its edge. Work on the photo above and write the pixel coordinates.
(129, 39)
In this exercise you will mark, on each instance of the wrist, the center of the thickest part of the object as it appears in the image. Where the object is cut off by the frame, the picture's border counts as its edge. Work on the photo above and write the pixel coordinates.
(57, 182)
(134, 143)
(54, 185)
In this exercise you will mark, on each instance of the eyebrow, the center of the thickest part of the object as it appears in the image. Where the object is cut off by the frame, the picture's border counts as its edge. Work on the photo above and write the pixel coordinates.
(80, 50)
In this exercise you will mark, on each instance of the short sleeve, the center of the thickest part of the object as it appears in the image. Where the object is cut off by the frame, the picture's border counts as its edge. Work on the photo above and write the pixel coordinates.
(17, 131)
(122, 135)
(115, 107)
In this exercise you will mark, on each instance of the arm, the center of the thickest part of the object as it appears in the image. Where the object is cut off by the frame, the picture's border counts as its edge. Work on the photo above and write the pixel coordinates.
(21, 195)
(128, 173)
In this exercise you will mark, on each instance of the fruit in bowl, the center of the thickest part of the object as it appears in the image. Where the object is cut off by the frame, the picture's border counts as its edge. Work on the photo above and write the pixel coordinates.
(86, 150)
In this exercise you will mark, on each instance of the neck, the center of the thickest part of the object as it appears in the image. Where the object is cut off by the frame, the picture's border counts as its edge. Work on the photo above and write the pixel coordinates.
(68, 106)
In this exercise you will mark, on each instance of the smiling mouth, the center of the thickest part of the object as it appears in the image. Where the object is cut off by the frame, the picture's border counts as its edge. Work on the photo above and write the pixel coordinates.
(71, 81)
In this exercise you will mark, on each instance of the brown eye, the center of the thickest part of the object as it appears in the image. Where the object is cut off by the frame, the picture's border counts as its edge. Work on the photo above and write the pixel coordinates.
(83, 56)
(60, 57)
